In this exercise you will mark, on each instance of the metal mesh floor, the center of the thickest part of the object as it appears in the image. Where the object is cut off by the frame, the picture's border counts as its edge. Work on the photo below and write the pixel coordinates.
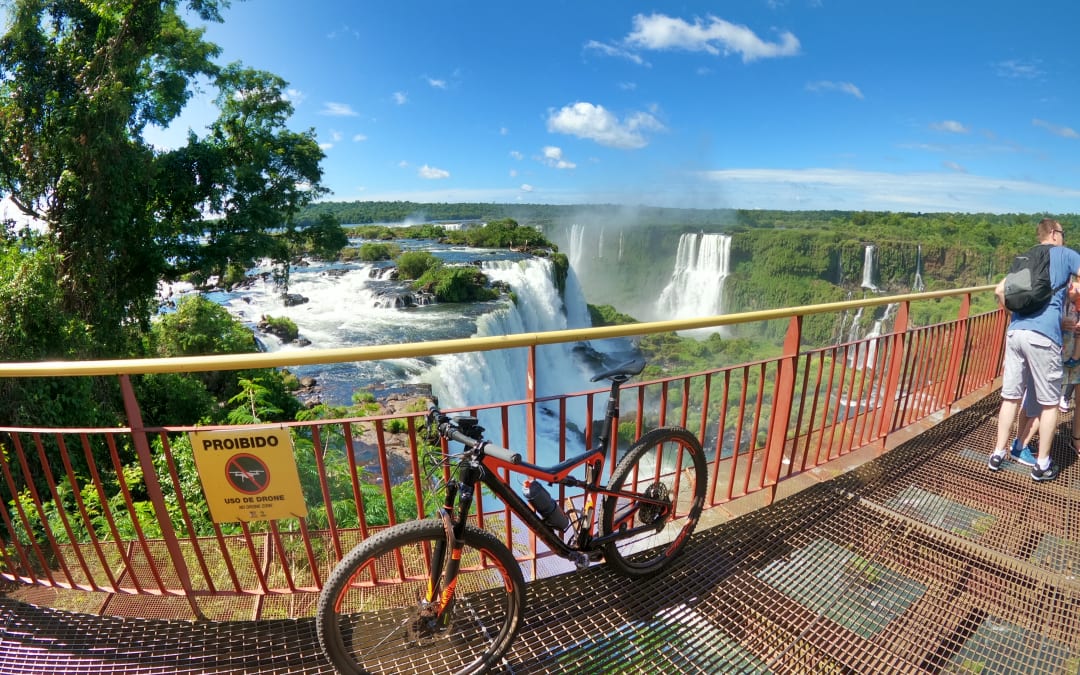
(920, 561)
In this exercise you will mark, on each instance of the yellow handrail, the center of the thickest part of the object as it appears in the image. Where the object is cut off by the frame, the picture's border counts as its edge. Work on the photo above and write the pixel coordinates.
(186, 364)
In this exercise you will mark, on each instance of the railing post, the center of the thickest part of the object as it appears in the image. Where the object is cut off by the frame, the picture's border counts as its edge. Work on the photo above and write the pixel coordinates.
(530, 408)
(783, 392)
(153, 490)
(956, 358)
(896, 367)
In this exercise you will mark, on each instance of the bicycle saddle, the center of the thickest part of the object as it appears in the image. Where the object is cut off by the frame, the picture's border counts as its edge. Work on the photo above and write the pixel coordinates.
(624, 371)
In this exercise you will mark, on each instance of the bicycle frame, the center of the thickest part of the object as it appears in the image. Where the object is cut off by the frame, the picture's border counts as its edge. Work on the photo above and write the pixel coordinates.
(486, 471)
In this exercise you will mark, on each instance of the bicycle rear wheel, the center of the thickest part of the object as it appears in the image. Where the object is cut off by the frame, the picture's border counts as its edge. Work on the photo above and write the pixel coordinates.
(666, 465)
(374, 617)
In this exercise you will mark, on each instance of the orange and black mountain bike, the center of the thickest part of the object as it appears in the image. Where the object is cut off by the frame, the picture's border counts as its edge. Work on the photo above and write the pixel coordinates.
(445, 592)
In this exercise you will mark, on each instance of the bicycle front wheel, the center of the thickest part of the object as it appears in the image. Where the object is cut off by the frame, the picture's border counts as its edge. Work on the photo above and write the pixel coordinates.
(662, 479)
(378, 611)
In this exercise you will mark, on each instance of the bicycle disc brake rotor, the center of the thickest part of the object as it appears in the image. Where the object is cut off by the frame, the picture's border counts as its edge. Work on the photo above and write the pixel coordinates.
(423, 627)
(649, 513)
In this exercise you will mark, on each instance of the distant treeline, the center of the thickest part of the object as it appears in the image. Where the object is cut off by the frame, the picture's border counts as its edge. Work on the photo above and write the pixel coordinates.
(985, 231)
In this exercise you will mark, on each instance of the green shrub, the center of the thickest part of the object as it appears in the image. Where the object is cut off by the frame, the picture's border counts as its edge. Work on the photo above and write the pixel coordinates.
(415, 264)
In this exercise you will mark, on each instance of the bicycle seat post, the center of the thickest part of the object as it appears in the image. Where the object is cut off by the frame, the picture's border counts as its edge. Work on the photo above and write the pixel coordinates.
(612, 412)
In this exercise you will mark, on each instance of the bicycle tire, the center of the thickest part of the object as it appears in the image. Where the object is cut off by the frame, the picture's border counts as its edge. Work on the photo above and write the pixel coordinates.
(371, 624)
(679, 478)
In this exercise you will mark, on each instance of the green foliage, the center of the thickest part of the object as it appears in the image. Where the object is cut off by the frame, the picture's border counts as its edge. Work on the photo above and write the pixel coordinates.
(415, 264)
(323, 239)
(263, 397)
(373, 252)
(283, 327)
(78, 84)
(456, 284)
(606, 315)
(504, 233)
(200, 327)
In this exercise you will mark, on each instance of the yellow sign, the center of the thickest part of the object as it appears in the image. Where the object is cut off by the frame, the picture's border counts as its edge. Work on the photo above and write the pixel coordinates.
(248, 474)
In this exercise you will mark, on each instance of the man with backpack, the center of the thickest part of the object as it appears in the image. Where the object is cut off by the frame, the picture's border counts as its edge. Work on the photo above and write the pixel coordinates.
(1034, 290)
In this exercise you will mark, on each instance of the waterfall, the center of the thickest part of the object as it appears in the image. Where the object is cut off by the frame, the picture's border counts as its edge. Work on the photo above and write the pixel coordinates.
(600, 245)
(868, 268)
(479, 378)
(576, 249)
(620, 245)
(918, 285)
(866, 353)
(696, 288)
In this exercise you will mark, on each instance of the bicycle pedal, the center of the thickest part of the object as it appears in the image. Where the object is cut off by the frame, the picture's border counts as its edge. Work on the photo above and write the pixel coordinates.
(580, 560)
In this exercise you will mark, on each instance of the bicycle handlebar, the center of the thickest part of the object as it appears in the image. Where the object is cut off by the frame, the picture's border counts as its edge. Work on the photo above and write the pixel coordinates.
(450, 431)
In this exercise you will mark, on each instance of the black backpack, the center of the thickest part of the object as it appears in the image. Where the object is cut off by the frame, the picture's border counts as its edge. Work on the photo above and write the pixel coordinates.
(1028, 288)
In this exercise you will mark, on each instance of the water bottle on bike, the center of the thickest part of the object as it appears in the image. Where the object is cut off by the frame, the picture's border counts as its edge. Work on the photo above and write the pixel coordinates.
(545, 506)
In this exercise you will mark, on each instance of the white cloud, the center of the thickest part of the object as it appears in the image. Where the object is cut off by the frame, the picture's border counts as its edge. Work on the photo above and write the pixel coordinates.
(880, 191)
(359, 138)
(613, 51)
(325, 146)
(436, 84)
(525, 187)
(553, 157)
(950, 126)
(400, 97)
(714, 36)
(595, 123)
(516, 155)
(954, 166)
(1064, 132)
(432, 173)
(1019, 70)
(513, 173)
(295, 96)
(338, 110)
(335, 136)
(827, 85)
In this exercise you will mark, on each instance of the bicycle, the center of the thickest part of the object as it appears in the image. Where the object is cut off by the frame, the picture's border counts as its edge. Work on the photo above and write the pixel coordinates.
(446, 593)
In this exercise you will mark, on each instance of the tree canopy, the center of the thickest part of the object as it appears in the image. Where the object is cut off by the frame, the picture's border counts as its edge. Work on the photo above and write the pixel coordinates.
(79, 83)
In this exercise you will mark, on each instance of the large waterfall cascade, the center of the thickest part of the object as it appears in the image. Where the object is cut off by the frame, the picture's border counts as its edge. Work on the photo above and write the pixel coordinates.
(479, 378)
(696, 289)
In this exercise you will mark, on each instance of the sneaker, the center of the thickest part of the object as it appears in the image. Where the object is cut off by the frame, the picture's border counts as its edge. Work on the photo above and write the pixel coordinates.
(996, 460)
(1049, 473)
(1063, 405)
(1023, 455)
(1071, 363)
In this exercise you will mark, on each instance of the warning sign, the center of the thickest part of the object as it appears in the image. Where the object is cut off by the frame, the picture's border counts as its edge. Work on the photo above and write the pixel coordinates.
(248, 474)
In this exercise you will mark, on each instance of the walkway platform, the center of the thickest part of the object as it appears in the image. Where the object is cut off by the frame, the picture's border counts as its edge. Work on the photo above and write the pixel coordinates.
(918, 561)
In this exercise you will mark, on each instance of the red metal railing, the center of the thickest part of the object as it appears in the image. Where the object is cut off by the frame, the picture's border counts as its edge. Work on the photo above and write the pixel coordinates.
(760, 422)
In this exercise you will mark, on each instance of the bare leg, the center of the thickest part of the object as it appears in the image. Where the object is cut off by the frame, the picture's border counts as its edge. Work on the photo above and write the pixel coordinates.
(1005, 422)
(1026, 428)
(1047, 422)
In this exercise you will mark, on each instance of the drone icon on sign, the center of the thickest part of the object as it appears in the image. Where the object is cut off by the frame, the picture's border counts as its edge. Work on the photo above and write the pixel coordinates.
(247, 474)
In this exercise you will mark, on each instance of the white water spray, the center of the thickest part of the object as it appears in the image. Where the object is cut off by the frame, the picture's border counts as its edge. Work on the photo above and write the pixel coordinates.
(696, 288)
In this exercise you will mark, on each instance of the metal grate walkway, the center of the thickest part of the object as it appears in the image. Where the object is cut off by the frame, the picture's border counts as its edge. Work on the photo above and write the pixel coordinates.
(919, 561)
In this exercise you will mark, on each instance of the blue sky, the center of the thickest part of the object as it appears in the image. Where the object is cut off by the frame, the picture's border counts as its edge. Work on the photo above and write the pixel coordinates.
(950, 105)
